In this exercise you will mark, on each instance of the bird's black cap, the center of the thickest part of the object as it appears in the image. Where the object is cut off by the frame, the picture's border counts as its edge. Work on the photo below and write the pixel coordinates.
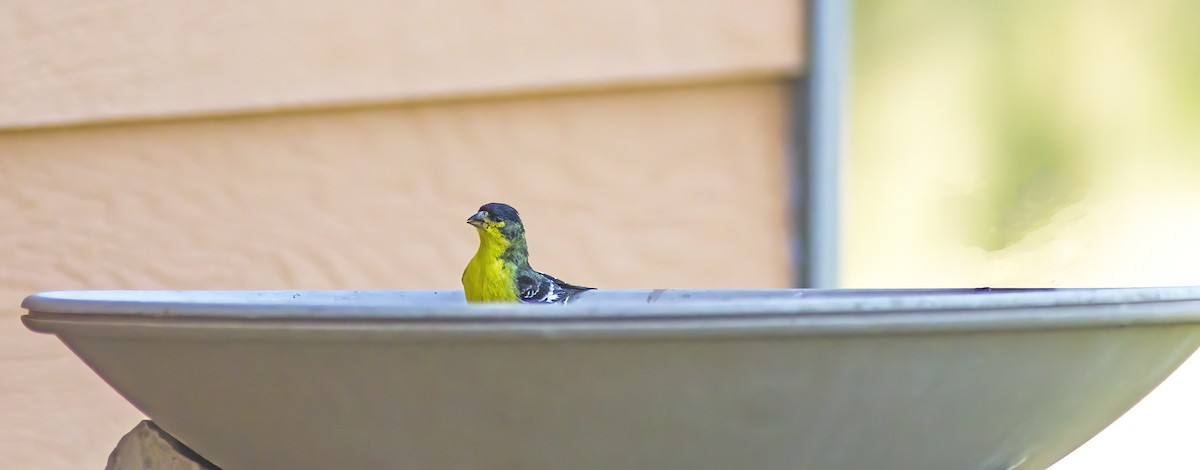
(501, 212)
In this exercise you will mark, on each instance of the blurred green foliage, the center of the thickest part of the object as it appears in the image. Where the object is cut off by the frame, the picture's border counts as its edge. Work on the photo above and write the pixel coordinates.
(1182, 34)
(1034, 63)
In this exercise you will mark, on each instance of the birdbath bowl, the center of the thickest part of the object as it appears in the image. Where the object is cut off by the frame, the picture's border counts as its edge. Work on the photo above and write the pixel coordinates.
(646, 379)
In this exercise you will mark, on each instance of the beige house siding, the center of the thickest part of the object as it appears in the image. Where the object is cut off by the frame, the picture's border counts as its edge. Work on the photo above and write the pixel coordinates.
(300, 146)
(63, 62)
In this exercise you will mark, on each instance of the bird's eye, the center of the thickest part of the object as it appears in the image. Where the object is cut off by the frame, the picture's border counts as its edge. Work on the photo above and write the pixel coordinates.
(486, 214)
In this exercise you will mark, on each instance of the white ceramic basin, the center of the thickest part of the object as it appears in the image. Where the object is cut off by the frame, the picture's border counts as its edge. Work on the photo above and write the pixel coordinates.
(675, 379)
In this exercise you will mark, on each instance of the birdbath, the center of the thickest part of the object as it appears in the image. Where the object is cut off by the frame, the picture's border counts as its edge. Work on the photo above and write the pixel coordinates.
(662, 379)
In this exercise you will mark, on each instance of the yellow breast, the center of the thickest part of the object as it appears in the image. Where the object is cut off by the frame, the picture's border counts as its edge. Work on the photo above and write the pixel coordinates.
(489, 280)
(487, 277)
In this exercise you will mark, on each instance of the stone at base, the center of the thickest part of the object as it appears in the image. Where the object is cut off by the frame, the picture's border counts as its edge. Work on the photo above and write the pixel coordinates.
(147, 446)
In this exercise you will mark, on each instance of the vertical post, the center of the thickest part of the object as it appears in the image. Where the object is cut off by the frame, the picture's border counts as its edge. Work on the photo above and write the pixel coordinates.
(817, 143)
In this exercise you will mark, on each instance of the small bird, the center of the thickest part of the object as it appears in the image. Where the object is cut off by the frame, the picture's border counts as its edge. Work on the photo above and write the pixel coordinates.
(500, 270)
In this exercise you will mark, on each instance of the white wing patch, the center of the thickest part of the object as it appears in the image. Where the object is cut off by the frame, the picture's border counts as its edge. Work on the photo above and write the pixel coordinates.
(543, 288)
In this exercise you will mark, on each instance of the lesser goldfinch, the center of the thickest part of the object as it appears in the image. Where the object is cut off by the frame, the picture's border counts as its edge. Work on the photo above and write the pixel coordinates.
(500, 270)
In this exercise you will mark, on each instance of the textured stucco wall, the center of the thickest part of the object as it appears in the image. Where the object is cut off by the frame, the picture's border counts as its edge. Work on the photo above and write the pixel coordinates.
(652, 188)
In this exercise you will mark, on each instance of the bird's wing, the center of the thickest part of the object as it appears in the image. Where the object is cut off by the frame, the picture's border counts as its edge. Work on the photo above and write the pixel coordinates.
(536, 287)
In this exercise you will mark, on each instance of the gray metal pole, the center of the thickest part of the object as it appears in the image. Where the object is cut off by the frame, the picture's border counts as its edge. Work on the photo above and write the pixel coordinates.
(818, 113)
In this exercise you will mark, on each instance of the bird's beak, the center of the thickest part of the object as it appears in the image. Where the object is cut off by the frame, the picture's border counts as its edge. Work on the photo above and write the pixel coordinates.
(477, 219)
